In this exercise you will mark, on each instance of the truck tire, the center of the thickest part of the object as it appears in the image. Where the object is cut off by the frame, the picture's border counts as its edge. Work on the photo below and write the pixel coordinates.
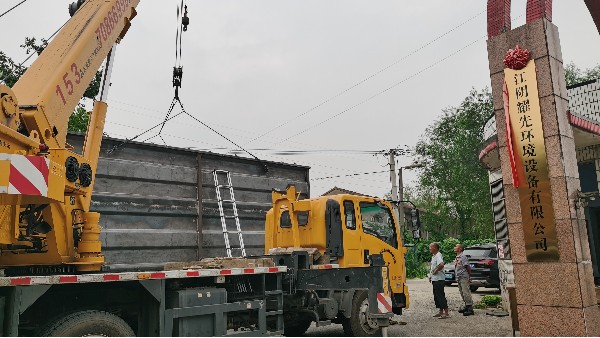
(473, 288)
(296, 329)
(87, 323)
(359, 325)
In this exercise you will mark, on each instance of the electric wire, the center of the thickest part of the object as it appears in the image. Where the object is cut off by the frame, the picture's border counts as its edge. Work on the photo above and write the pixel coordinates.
(270, 156)
(283, 160)
(387, 89)
(396, 84)
(13, 7)
(32, 54)
(369, 77)
(272, 151)
(355, 174)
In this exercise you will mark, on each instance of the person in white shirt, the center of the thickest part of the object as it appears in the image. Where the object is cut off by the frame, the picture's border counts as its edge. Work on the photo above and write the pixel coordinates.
(437, 278)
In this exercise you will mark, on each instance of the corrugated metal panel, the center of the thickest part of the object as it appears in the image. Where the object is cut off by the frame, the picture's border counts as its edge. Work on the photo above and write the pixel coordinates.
(149, 200)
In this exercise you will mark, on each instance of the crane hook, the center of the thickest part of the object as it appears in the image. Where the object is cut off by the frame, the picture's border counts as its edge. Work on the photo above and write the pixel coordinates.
(185, 21)
(177, 75)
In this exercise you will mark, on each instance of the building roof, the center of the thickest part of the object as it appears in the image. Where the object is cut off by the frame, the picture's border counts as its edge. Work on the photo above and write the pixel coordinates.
(338, 191)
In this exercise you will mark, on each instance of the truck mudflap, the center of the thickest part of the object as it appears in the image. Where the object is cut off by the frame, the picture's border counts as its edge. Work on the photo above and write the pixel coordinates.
(382, 313)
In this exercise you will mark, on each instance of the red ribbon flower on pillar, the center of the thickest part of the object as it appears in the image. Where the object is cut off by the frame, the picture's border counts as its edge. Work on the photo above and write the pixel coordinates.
(516, 58)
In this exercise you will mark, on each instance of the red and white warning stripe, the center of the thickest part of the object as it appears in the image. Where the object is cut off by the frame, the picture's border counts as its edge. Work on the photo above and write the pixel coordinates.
(324, 266)
(384, 303)
(28, 175)
(131, 276)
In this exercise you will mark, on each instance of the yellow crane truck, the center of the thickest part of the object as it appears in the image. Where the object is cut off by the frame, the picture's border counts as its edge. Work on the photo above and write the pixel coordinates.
(330, 259)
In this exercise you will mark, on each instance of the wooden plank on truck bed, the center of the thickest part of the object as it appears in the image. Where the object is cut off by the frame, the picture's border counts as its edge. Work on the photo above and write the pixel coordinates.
(222, 263)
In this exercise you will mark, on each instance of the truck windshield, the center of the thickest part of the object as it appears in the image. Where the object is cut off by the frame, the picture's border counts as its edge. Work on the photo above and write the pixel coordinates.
(377, 221)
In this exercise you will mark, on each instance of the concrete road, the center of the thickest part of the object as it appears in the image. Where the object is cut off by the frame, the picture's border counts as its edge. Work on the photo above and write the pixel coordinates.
(420, 322)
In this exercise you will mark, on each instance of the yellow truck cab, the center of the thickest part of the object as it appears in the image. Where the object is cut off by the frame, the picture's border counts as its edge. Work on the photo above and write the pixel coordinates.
(345, 231)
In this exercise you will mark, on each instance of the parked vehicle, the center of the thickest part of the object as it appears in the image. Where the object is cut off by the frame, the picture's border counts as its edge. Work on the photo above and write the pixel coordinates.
(483, 259)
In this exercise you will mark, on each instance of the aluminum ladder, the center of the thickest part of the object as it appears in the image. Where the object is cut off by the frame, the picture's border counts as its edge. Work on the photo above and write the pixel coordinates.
(224, 217)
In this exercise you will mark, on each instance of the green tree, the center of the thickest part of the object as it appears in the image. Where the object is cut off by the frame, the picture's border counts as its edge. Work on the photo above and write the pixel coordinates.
(453, 186)
(575, 75)
(10, 72)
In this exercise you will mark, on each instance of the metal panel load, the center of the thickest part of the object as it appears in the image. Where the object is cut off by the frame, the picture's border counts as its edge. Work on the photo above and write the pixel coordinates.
(158, 204)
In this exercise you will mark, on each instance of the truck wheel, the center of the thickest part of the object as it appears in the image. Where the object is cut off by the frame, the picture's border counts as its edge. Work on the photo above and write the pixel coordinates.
(296, 329)
(359, 324)
(473, 288)
(87, 323)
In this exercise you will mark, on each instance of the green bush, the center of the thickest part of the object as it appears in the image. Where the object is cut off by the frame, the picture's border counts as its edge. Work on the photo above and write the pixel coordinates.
(488, 301)
(491, 301)
(414, 267)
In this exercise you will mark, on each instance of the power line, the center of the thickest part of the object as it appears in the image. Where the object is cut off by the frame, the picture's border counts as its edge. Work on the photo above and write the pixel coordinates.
(32, 54)
(396, 84)
(13, 7)
(245, 131)
(203, 142)
(387, 89)
(369, 77)
(219, 148)
(355, 174)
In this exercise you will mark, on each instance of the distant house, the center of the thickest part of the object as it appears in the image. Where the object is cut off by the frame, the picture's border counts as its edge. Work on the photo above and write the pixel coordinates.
(339, 191)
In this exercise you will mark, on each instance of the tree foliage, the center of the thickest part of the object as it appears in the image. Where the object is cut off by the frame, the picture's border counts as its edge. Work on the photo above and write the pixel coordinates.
(10, 72)
(575, 75)
(453, 186)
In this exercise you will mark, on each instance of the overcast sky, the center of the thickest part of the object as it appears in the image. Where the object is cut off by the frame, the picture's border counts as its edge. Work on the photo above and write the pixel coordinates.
(250, 66)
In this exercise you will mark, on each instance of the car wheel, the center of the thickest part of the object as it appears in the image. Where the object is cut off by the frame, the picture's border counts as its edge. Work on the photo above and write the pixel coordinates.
(473, 288)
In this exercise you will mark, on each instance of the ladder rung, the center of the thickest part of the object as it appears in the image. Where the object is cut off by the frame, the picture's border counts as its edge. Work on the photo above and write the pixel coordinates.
(219, 192)
(274, 292)
(274, 313)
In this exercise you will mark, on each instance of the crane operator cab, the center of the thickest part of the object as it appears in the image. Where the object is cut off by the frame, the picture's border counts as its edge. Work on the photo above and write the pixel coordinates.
(345, 229)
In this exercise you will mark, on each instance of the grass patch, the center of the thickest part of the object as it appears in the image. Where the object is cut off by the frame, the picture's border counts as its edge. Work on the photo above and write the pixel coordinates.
(488, 301)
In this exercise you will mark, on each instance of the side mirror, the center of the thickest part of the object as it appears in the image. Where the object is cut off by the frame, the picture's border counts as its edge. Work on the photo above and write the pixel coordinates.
(416, 223)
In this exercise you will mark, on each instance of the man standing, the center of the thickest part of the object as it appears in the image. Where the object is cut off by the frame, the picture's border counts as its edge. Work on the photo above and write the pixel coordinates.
(463, 277)
(437, 278)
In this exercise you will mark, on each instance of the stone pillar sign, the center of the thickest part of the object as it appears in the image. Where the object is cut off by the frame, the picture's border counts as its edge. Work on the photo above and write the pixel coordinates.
(554, 283)
(529, 163)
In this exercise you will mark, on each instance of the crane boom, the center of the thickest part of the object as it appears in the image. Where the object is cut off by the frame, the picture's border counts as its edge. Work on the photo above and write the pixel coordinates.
(45, 188)
(57, 79)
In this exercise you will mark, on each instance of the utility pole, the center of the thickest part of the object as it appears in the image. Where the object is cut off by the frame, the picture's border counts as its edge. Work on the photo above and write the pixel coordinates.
(392, 153)
(393, 177)
(400, 198)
